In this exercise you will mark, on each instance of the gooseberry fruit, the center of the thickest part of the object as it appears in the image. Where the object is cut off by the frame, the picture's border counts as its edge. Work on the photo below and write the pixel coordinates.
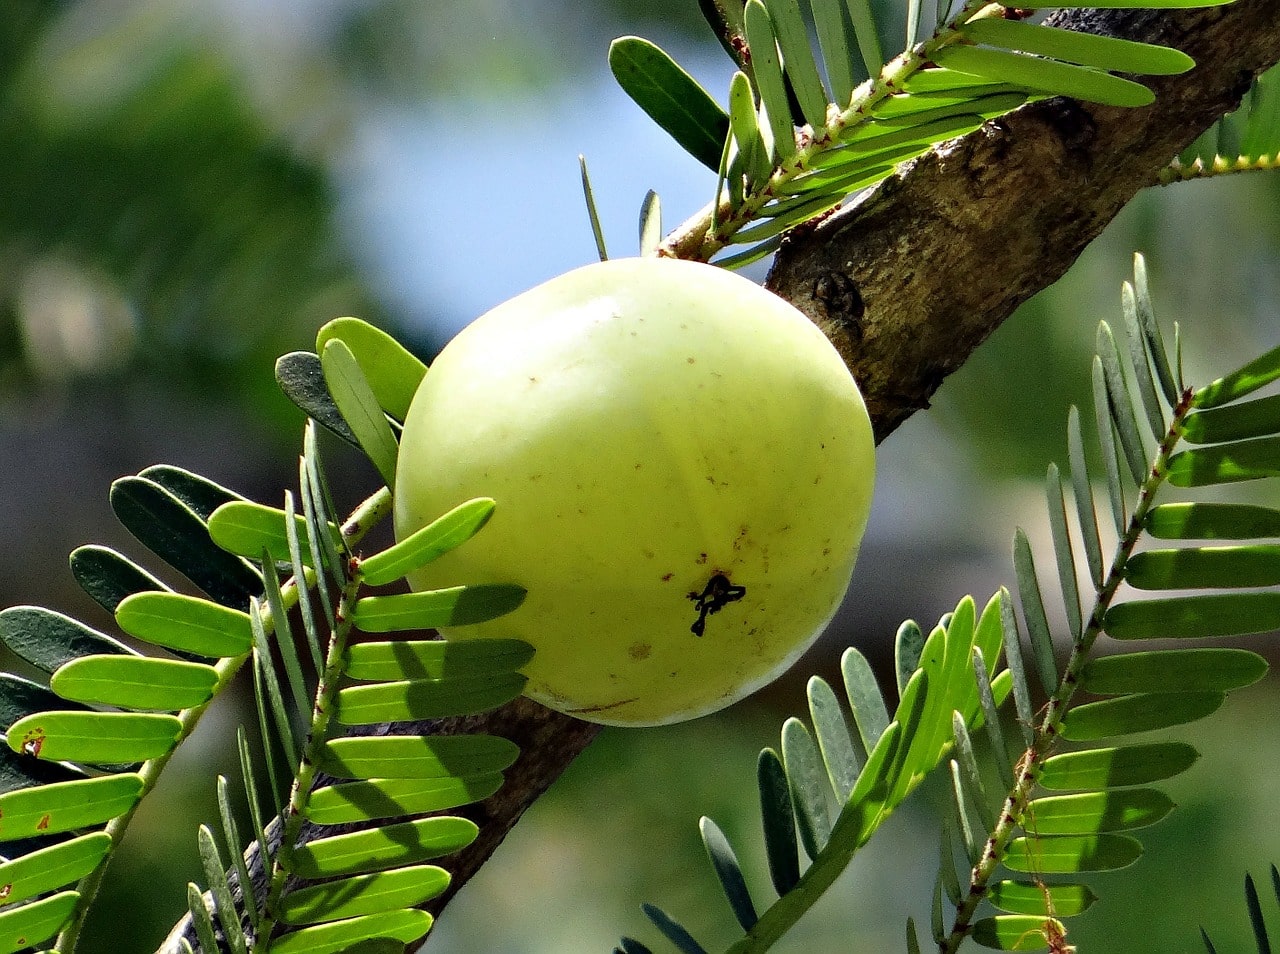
(682, 466)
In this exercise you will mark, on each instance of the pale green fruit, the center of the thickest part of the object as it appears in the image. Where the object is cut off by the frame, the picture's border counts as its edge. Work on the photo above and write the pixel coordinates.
(652, 430)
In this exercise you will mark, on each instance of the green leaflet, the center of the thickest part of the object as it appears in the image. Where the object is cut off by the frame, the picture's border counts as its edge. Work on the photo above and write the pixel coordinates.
(1211, 521)
(51, 868)
(435, 609)
(1068, 854)
(425, 698)
(95, 738)
(416, 756)
(937, 80)
(428, 543)
(301, 378)
(360, 407)
(1026, 897)
(671, 97)
(135, 683)
(185, 623)
(778, 821)
(1088, 813)
(1125, 765)
(1256, 374)
(1194, 617)
(48, 640)
(650, 223)
(1226, 463)
(393, 797)
(175, 533)
(752, 155)
(834, 739)
(1016, 932)
(340, 936)
(379, 849)
(768, 77)
(435, 658)
(200, 494)
(797, 59)
(364, 894)
(33, 923)
(248, 528)
(66, 806)
(1201, 567)
(1173, 670)
(109, 577)
(808, 785)
(1083, 49)
(1049, 76)
(837, 55)
(1128, 715)
(392, 371)
(1233, 422)
(729, 872)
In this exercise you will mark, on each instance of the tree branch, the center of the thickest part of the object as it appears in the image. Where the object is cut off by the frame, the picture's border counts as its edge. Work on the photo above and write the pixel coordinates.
(908, 282)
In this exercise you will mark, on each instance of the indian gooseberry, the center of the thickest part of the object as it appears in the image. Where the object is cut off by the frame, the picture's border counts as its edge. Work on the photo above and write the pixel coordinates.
(682, 466)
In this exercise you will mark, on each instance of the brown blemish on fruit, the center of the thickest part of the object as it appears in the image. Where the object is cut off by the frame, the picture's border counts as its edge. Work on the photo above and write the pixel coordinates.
(702, 559)
(606, 706)
(639, 651)
(666, 577)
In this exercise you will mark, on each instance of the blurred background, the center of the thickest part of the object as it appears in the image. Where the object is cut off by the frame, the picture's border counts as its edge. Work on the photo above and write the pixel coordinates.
(188, 190)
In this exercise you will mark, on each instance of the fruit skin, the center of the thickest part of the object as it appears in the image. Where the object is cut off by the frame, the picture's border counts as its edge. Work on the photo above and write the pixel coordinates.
(645, 426)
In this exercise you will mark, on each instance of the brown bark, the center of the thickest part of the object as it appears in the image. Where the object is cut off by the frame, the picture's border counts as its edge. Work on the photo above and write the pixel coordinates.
(910, 281)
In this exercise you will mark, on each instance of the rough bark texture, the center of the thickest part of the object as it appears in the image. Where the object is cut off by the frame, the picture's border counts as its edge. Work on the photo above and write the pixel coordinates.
(910, 281)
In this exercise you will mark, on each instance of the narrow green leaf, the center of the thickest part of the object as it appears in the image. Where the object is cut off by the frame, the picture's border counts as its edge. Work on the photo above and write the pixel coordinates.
(1083, 49)
(1012, 640)
(1125, 765)
(970, 776)
(729, 873)
(392, 371)
(235, 848)
(1068, 854)
(249, 782)
(1121, 405)
(863, 18)
(798, 61)
(272, 747)
(109, 577)
(1194, 617)
(837, 55)
(806, 780)
(593, 214)
(284, 640)
(1083, 493)
(316, 539)
(1173, 670)
(913, 22)
(673, 930)
(804, 209)
(66, 806)
(360, 406)
(1258, 373)
(991, 719)
(913, 942)
(200, 494)
(1256, 920)
(435, 658)
(201, 918)
(937, 80)
(1151, 330)
(907, 646)
(425, 698)
(186, 623)
(864, 697)
(1107, 440)
(176, 534)
(937, 921)
(753, 254)
(216, 874)
(753, 154)
(293, 537)
(343, 937)
(428, 543)
(947, 863)
(435, 609)
(246, 528)
(51, 868)
(834, 741)
(393, 797)
(34, 923)
(270, 681)
(416, 756)
(1233, 422)
(1205, 567)
(49, 640)
(1208, 944)
(301, 378)
(779, 822)
(1028, 897)
(1016, 932)
(969, 839)
(135, 683)
(378, 849)
(1062, 550)
(671, 97)
(95, 738)
(868, 796)
(1226, 463)
(1211, 521)
(650, 223)
(1033, 612)
(768, 77)
(364, 894)
(1138, 362)
(1047, 76)
(1088, 813)
(1143, 712)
